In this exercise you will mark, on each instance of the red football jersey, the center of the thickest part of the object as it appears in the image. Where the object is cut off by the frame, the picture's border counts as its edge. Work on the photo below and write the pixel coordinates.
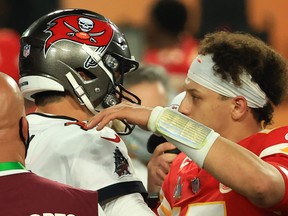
(189, 190)
(26, 194)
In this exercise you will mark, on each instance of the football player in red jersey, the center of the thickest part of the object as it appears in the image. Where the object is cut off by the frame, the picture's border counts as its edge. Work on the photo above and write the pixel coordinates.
(23, 192)
(72, 64)
(229, 165)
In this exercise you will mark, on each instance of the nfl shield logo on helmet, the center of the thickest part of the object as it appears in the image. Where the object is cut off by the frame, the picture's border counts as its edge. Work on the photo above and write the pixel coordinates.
(26, 50)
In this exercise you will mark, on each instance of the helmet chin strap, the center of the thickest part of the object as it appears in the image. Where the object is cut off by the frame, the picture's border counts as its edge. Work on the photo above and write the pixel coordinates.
(80, 93)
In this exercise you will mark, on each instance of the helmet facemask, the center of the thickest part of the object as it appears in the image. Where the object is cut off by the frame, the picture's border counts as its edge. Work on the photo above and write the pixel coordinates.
(119, 94)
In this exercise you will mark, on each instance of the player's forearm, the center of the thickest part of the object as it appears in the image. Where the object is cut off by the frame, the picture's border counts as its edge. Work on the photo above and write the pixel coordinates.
(231, 164)
(244, 172)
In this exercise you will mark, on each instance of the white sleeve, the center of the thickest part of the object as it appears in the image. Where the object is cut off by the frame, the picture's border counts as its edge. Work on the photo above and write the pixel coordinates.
(136, 204)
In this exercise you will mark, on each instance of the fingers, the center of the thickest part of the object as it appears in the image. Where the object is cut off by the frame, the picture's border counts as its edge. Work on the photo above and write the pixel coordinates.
(156, 177)
(103, 118)
(159, 166)
(133, 113)
(161, 160)
(163, 148)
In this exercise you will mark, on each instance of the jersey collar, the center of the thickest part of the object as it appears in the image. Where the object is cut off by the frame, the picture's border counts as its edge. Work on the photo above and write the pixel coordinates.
(8, 168)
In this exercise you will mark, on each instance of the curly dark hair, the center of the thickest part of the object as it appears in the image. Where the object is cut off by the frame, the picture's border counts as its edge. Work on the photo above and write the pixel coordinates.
(235, 52)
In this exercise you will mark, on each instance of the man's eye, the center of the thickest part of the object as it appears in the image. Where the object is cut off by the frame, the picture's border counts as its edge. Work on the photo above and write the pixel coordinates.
(194, 97)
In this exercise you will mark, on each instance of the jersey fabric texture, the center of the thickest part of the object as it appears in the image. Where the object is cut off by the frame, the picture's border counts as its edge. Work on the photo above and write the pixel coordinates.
(63, 150)
(25, 194)
(191, 191)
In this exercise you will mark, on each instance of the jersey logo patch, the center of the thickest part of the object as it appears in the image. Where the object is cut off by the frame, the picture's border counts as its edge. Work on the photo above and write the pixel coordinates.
(185, 162)
(116, 139)
(121, 163)
(78, 29)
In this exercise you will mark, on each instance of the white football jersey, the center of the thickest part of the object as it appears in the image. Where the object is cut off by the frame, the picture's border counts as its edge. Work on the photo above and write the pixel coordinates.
(62, 150)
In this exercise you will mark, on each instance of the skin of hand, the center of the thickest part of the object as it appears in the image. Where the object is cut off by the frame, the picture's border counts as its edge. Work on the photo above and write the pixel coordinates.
(132, 113)
(159, 166)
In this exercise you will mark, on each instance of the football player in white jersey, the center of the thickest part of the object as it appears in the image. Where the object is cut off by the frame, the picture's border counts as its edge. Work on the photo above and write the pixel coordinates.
(71, 65)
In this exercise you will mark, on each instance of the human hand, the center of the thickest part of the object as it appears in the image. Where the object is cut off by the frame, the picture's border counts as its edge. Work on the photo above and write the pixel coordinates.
(132, 113)
(159, 166)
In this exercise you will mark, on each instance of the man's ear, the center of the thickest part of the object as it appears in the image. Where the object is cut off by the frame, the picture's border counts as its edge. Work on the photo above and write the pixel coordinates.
(24, 127)
(240, 107)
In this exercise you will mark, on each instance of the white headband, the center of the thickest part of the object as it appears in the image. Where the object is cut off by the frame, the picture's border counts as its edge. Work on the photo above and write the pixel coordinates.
(201, 71)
